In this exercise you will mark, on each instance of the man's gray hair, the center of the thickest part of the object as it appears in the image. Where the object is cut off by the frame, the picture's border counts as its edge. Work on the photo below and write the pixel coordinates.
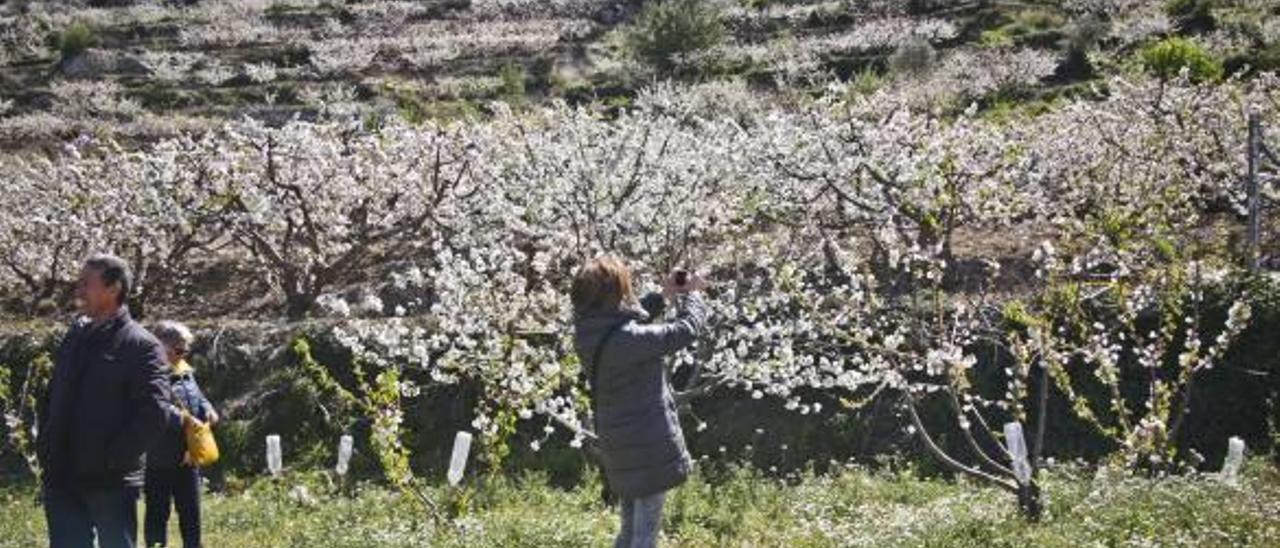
(173, 334)
(113, 270)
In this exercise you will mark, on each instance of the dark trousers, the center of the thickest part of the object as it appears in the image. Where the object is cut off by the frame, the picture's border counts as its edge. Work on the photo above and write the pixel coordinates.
(76, 516)
(180, 485)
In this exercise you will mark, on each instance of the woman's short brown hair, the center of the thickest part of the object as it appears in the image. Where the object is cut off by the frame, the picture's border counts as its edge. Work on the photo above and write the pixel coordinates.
(601, 285)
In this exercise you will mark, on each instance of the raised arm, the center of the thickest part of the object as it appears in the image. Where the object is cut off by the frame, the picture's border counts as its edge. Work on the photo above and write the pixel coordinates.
(641, 343)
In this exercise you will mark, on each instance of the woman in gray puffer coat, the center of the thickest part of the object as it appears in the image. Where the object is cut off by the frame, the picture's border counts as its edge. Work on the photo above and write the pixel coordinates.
(639, 437)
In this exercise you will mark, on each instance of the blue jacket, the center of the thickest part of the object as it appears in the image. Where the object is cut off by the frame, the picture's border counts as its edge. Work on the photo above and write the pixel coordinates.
(107, 403)
(169, 449)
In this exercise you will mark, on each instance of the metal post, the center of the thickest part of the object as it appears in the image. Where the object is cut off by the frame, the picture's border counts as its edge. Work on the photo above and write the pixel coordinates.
(1255, 213)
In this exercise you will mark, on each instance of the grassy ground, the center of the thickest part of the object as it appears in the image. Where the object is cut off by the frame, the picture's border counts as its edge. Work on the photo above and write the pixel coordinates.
(856, 508)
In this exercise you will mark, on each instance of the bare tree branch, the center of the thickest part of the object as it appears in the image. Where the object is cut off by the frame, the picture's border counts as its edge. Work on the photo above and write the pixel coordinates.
(973, 443)
(950, 462)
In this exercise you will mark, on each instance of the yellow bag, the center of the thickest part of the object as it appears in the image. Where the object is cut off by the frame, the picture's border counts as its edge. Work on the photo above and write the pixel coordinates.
(202, 449)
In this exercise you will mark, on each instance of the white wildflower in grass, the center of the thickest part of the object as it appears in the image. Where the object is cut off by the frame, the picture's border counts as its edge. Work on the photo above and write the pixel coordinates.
(261, 73)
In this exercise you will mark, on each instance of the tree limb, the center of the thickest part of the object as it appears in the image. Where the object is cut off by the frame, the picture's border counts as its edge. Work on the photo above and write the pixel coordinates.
(937, 452)
(973, 443)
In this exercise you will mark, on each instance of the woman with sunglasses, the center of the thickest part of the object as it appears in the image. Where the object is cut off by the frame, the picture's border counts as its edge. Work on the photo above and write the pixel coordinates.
(170, 476)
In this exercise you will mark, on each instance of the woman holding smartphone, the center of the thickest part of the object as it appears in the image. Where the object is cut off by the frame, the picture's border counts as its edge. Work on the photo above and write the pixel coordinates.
(641, 444)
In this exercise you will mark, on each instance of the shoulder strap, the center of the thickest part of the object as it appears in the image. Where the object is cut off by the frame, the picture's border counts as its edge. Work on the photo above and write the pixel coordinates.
(594, 379)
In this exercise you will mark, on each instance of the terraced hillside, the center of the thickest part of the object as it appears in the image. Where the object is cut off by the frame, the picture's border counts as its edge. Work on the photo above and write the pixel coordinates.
(146, 69)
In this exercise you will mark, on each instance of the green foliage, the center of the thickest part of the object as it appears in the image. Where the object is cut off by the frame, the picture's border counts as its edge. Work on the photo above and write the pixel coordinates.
(1119, 227)
(20, 389)
(235, 442)
(666, 31)
(75, 39)
(5, 391)
(759, 4)
(1027, 24)
(619, 102)
(1014, 110)
(382, 400)
(512, 75)
(374, 401)
(417, 108)
(1038, 20)
(1186, 8)
(1018, 316)
(866, 82)
(160, 97)
(343, 401)
(1169, 57)
(1032, 27)
(995, 38)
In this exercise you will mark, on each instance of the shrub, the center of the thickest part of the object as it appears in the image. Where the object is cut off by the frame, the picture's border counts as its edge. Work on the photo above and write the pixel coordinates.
(512, 75)
(1258, 60)
(1082, 35)
(913, 56)
(1085, 33)
(667, 30)
(996, 38)
(1168, 57)
(541, 73)
(1034, 27)
(1191, 15)
(866, 82)
(1036, 21)
(75, 39)
(924, 7)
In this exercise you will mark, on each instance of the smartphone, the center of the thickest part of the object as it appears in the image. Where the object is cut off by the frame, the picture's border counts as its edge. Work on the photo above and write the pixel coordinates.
(681, 277)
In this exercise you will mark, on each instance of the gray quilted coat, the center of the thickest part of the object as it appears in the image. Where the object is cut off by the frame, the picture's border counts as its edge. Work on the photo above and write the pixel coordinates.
(640, 440)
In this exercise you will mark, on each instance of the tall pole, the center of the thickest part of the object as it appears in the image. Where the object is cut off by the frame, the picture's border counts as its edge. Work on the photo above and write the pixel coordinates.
(1255, 202)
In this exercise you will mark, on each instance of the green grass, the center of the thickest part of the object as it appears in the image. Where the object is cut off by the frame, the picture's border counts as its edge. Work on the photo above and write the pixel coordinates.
(856, 508)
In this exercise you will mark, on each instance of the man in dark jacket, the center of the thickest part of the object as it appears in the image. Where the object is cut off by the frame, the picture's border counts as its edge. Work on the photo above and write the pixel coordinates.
(107, 402)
